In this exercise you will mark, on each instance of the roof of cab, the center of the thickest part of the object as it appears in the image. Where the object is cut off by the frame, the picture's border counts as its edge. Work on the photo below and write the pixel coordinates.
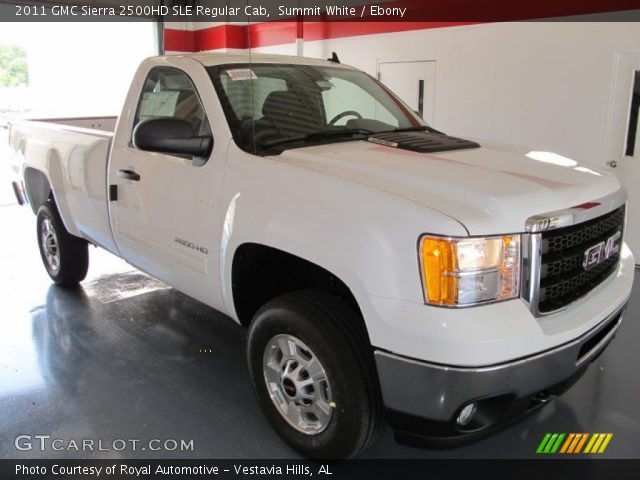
(210, 59)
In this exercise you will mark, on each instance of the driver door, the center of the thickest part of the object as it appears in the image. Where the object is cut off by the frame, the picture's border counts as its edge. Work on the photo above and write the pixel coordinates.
(164, 215)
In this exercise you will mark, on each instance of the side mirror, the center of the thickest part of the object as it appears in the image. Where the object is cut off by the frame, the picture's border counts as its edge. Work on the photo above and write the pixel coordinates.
(170, 135)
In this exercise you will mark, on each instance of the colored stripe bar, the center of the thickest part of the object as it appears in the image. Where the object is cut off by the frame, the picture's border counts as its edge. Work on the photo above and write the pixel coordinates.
(555, 448)
(567, 442)
(575, 442)
(581, 443)
(599, 443)
(543, 443)
(592, 440)
(550, 443)
(607, 439)
(596, 446)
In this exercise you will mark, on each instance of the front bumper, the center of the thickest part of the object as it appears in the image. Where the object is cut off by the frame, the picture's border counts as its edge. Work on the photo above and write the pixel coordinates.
(425, 398)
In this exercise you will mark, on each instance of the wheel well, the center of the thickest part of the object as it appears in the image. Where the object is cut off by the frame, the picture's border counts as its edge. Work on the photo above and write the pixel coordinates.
(37, 187)
(261, 273)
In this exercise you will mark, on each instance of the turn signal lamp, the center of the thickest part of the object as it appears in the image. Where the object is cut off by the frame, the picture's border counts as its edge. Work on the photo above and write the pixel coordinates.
(460, 272)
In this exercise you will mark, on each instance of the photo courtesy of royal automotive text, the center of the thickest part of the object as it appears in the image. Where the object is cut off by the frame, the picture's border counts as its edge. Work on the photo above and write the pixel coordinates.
(341, 239)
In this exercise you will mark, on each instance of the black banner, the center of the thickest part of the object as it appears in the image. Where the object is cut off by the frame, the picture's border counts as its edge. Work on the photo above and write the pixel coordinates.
(315, 10)
(542, 469)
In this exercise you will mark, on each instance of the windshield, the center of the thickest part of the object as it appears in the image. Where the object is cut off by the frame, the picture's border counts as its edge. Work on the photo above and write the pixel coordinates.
(288, 106)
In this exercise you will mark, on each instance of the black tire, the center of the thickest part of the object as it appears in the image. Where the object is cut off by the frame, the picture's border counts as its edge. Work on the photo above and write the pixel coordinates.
(334, 334)
(72, 252)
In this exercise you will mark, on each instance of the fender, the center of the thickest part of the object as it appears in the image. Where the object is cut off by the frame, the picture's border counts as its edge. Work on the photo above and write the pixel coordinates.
(287, 207)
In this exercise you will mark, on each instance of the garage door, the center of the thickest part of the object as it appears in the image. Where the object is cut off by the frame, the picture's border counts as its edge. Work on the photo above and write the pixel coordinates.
(623, 139)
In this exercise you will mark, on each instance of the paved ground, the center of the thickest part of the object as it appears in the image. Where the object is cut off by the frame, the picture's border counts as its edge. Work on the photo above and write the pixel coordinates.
(120, 358)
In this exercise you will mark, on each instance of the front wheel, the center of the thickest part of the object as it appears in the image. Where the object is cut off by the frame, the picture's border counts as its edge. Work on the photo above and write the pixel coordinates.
(314, 376)
(65, 256)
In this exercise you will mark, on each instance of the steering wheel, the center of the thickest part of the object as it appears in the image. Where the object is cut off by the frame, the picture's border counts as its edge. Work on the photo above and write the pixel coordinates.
(346, 113)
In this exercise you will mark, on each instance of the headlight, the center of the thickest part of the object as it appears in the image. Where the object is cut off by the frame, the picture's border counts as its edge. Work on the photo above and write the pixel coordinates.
(468, 271)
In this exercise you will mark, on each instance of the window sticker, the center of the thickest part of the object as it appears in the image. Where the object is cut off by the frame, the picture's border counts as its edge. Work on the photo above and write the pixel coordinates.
(325, 84)
(241, 74)
(175, 82)
(159, 104)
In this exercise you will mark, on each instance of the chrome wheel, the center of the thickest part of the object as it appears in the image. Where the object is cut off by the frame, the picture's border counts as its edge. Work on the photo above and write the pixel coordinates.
(297, 384)
(49, 244)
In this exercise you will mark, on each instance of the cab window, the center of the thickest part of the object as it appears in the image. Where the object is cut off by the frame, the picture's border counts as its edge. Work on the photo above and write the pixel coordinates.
(169, 92)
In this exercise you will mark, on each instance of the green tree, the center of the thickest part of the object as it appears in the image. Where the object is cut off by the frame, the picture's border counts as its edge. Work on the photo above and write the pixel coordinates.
(13, 66)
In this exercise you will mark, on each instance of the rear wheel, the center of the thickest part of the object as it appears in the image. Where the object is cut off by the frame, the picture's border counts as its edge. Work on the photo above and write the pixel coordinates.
(65, 256)
(313, 374)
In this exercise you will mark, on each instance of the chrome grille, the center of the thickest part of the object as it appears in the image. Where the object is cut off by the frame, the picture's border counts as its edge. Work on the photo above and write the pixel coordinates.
(562, 277)
(583, 233)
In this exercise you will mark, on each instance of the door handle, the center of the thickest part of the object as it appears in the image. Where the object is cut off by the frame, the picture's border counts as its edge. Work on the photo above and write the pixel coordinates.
(129, 175)
(612, 163)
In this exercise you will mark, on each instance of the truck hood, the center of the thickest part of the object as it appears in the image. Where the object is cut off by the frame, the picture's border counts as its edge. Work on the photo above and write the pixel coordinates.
(490, 190)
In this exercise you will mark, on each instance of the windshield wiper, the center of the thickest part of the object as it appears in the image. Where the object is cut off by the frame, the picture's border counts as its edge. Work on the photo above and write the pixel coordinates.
(318, 136)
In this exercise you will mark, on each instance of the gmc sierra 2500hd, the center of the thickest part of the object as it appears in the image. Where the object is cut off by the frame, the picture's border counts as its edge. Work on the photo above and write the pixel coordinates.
(384, 269)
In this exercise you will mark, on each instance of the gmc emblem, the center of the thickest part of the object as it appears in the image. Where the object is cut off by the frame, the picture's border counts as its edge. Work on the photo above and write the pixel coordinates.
(597, 254)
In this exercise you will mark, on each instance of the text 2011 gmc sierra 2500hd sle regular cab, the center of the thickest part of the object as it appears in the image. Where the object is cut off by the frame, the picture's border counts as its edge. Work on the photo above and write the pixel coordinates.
(384, 269)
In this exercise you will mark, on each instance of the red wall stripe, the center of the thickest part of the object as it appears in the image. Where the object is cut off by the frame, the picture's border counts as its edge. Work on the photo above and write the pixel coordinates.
(271, 33)
(328, 30)
(280, 33)
(222, 36)
(179, 40)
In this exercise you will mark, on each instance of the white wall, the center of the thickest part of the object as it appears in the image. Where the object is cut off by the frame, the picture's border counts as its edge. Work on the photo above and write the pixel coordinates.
(545, 85)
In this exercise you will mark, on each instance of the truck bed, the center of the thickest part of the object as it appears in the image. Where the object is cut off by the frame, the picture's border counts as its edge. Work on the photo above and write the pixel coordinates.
(74, 152)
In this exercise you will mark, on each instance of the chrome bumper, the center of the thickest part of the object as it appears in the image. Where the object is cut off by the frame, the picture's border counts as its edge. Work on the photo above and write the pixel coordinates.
(437, 393)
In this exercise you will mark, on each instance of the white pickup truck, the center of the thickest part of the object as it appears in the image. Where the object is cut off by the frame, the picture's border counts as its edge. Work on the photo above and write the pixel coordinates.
(384, 269)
